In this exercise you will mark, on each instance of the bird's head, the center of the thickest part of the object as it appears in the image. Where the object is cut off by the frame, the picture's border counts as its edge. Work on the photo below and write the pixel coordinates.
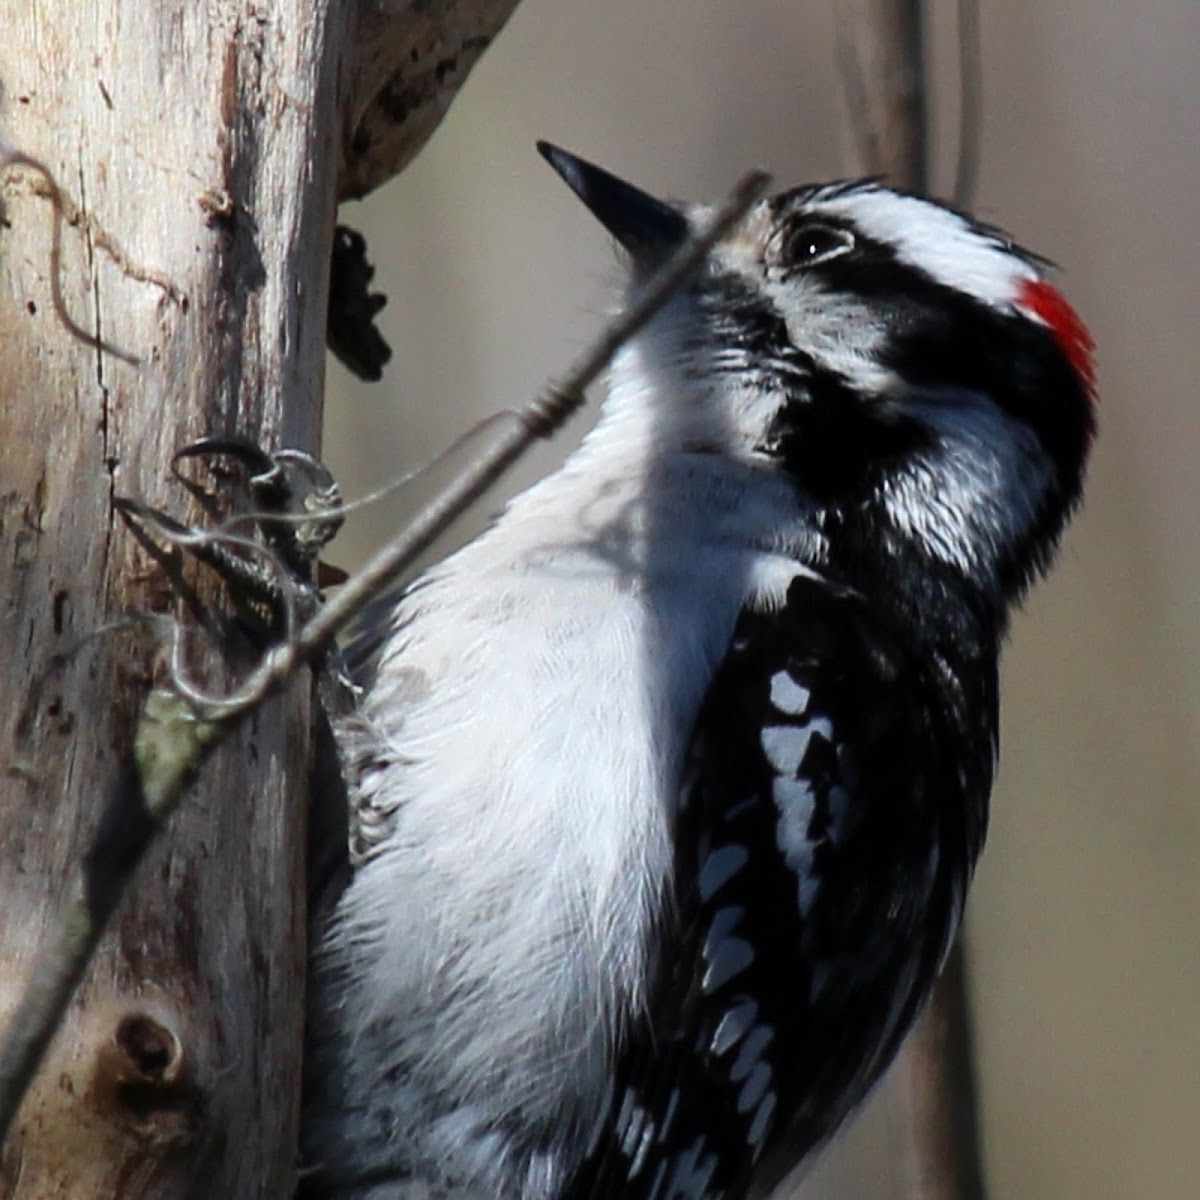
(910, 369)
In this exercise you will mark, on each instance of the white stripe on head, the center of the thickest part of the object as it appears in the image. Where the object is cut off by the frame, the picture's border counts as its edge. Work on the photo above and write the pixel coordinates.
(946, 246)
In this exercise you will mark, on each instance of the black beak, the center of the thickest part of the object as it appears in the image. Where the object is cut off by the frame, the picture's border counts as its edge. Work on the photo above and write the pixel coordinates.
(648, 228)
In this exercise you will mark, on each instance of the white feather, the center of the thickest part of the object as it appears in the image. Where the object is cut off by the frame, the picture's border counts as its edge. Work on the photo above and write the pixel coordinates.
(941, 243)
(532, 709)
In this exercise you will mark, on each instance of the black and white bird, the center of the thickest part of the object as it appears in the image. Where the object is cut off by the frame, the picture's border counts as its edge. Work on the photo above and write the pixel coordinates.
(667, 789)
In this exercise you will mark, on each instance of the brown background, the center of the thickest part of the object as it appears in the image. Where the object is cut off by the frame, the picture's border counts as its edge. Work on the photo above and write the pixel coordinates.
(1083, 921)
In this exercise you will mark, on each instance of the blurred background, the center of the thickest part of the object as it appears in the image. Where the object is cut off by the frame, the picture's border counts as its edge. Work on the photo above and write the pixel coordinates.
(1083, 922)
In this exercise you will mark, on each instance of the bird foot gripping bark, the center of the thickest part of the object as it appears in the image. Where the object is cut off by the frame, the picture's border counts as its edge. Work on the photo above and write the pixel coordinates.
(267, 551)
(269, 554)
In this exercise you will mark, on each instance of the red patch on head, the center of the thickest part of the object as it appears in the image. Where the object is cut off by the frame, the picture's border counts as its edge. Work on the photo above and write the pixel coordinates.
(1047, 304)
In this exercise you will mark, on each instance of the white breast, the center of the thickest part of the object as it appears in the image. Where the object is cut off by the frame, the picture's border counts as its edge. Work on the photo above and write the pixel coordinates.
(531, 712)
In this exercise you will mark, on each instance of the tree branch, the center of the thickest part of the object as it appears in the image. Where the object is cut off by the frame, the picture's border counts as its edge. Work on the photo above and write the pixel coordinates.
(409, 59)
(936, 1103)
(970, 102)
(881, 48)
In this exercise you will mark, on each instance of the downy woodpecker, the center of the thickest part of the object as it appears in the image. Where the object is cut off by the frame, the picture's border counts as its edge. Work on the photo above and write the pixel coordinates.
(667, 789)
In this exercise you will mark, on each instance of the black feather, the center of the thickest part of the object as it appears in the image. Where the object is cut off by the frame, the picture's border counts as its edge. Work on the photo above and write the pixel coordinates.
(819, 992)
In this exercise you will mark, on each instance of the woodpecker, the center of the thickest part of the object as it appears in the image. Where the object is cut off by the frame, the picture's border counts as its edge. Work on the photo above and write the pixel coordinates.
(666, 791)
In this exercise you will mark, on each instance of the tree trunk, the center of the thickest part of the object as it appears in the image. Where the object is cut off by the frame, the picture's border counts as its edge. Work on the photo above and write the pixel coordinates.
(196, 148)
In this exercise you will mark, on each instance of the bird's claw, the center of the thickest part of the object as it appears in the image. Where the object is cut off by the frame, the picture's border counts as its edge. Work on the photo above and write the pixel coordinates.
(294, 507)
(295, 500)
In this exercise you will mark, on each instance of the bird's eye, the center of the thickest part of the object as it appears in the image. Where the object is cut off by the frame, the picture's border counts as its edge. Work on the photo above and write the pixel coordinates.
(811, 242)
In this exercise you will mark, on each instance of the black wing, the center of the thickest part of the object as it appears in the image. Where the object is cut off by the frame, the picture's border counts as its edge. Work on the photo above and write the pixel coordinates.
(833, 806)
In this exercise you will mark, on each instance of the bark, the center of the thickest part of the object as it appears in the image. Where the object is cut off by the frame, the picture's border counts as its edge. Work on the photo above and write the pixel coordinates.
(190, 143)
(194, 155)
(410, 58)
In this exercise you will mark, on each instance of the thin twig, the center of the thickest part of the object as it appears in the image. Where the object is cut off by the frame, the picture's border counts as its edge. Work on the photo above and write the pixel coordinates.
(970, 102)
(178, 731)
(881, 46)
(936, 1109)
